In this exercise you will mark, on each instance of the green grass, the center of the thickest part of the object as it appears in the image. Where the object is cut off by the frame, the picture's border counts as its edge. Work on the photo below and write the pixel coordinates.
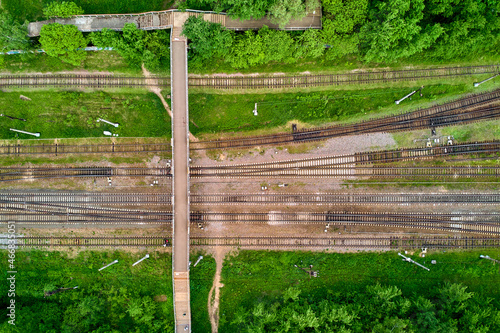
(31, 10)
(72, 114)
(214, 113)
(253, 277)
(201, 279)
(481, 131)
(106, 296)
(109, 61)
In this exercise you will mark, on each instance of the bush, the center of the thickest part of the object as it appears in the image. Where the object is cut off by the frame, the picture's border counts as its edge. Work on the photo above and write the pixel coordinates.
(62, 9)
(64, 42)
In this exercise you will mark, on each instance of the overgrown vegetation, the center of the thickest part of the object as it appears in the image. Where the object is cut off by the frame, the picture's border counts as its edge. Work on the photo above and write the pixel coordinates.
(71, 114)
(62, 9)
(121, 298)
(137, 46)
(64, 42)
(279, 12)
(372, 32)
(360, 292)
(32, 10)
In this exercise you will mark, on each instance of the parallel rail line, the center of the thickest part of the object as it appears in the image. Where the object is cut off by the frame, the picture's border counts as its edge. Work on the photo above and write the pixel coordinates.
(388, 243)
(20, 199)
(296, 81)
(466, 223)
(337, 79)
(10, 174)
(346, 171)
(469, 109)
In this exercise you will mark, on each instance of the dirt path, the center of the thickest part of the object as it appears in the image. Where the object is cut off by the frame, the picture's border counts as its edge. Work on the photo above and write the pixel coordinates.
(213, 299)
(152, 85)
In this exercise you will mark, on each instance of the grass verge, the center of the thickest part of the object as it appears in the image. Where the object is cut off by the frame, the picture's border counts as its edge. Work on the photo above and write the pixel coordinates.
(73, 114)
(254, 277)
(215, 113)
(120, 298)
(201, 279)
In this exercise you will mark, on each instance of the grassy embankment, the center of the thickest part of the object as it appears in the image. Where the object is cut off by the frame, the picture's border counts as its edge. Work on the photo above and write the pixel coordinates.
(121, 297)
(72, 114)
(232, 114)
(254, 277)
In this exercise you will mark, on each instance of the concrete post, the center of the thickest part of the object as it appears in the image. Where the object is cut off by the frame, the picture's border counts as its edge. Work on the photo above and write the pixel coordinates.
(34, 134)
(490, 78)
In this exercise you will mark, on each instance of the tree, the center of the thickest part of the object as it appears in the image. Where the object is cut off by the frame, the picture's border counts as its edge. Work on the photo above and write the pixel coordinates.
(396, 30)
(341, 22)
(245, 9)
(62, 9)
(470, 27)
(247, 50)
(282, 11)
(277, 45)
(309, 44)
(136, 46)
(13, 36)
(207, 40)
(64, 42)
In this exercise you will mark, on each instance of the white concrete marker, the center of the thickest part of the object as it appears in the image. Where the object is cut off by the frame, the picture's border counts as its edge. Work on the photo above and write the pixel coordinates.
(402, 99)
(490, 78)
(34, 134)
(138, 261)
(412, 261)
(107, 122)
(114, 262)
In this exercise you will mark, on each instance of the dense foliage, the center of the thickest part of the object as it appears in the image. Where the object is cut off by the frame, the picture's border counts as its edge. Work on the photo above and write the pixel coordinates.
(62, 9)
(121, 298)
(13, 35)
(360, 292)
(137, 46)
(32, 10)
(64, 42)
(371, 31)
(278, 11)
(448, 308)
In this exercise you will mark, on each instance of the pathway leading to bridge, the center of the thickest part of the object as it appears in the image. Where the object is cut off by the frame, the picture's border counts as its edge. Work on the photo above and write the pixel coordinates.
(180, 173)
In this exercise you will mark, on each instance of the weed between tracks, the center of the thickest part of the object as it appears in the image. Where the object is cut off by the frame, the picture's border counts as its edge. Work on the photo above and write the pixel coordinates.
(254, 277)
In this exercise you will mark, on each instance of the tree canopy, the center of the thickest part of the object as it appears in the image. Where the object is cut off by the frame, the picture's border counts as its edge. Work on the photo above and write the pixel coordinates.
(64, 42)
(62, 9)
(380, 309)
(13, 36)
(137, 46)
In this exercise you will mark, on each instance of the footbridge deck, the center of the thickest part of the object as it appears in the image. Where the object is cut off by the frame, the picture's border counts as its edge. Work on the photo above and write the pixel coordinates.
(180, 172)
(165, 20)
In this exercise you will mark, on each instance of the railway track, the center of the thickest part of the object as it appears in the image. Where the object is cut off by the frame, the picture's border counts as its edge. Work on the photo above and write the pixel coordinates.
(79, 81)
(481, 223)
(352, 171)
(10, 174)
(426, 118)
(299, 81)
(35, 200)
(465, 110)
(376, 157)
(64, 149)
(296, 81)
(386, 243)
